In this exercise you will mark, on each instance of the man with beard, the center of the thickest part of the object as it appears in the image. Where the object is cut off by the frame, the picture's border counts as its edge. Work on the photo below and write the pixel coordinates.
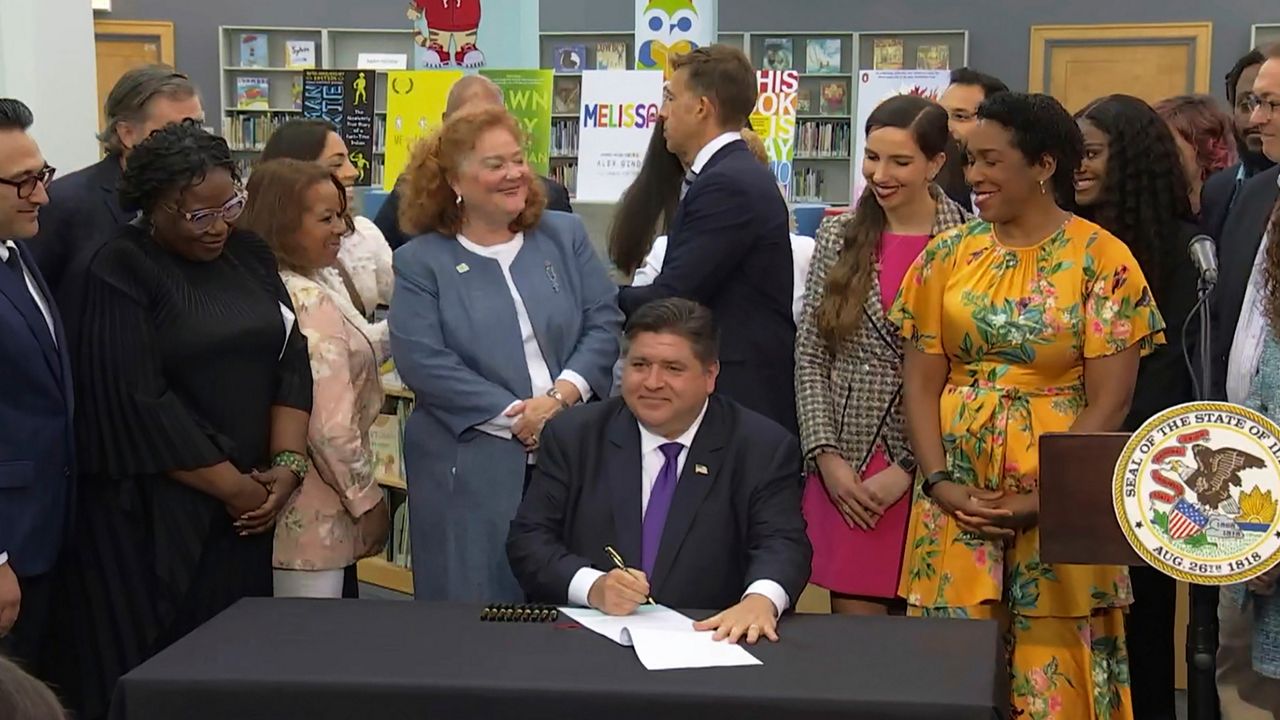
(1222, 188)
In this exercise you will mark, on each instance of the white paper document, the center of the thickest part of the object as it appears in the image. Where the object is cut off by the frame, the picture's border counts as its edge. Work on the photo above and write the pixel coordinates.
(663, 638)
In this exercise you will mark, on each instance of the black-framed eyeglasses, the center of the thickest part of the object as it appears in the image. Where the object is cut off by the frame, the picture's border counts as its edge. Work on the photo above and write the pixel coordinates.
(1256, 103)
(27, 185)
(202, 220)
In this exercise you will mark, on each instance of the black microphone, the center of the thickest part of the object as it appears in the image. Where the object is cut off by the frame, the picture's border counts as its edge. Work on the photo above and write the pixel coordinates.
(1205, 258)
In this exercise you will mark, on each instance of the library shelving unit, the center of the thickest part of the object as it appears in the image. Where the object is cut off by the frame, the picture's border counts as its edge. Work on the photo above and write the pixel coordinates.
(393, 569)
(1265, 34)
(247, 129)
(824, 167)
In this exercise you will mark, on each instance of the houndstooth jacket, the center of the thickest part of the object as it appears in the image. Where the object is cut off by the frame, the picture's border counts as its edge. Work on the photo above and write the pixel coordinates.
(850, 402)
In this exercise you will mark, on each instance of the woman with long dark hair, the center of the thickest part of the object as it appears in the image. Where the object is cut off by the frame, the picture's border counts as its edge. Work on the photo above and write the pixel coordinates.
(1131, 183)
(647, 207)
(849, 362)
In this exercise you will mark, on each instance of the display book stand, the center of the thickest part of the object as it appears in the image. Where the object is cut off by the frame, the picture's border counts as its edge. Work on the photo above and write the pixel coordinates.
(1078, 523)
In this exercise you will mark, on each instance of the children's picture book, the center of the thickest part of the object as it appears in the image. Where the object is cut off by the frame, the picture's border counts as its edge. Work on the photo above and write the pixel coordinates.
(566, 95)
(804, 100)
(253, 93)
(777, 54)
(888, 54)
(300, 54)
(822, 56)
(253, 50)
(933, 57)
(385, 444)
(295, 92)
(569, 58)
(611, 56)
(835, 97)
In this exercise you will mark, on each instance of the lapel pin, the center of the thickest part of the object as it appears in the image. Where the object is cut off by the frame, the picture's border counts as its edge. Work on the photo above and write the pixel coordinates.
(700, 470)
(551, 275)
(462, 267)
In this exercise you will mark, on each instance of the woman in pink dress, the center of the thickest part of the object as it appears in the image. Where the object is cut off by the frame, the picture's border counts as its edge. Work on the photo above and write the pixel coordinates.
(849, 358)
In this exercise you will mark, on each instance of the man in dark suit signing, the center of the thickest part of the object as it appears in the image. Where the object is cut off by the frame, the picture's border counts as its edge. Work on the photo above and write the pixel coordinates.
(729, 243)
(36, 445)
(467, 93)
(701, 495)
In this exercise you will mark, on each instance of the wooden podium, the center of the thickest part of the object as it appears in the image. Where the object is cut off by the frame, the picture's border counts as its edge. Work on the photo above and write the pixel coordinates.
(1078, 526)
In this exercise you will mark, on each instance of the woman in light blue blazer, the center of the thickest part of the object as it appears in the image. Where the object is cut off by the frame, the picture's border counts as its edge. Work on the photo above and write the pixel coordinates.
(503, 317)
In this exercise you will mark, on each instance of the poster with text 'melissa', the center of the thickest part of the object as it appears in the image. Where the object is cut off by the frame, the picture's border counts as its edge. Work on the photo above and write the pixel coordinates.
(619, 110)
(876, 86)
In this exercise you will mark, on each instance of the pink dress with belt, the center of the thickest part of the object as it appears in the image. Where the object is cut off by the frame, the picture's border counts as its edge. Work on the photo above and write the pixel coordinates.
(853, 561)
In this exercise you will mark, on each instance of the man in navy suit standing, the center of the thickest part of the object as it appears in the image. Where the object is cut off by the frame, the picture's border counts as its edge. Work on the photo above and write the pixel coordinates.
(729, 244)
(36, 443)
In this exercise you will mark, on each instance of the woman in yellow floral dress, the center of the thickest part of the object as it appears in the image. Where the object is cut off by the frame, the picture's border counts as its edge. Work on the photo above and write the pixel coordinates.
(1029, 320)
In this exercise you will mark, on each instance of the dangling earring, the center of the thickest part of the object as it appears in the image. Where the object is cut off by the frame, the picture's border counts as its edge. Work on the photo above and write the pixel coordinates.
(457, 199)
(1042, 190)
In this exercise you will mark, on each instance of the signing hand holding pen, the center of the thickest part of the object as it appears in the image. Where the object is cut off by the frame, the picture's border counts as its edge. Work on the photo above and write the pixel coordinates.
(621, 590)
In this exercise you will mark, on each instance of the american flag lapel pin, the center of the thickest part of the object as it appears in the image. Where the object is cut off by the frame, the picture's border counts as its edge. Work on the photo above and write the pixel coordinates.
(700, 469)
(551, 275)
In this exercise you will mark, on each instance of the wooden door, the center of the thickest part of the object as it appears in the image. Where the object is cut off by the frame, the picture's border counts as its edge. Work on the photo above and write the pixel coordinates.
(1079, 63)
(124, 45)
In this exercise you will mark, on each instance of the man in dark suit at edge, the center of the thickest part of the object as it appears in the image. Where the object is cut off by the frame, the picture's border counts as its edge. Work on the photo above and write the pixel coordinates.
(36, 444)
(467, 93)
(697, 493)
(729, 244)
(1222, 189)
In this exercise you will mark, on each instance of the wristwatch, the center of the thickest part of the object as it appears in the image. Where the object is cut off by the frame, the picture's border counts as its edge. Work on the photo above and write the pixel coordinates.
(559, 396)
(908, 465)
(934, 478)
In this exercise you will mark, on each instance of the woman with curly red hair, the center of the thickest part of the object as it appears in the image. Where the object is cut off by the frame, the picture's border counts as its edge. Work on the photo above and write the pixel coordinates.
(1205, 137)
(503, 317)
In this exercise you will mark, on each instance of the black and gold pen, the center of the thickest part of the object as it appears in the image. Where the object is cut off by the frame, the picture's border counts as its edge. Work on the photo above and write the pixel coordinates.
(617, 560)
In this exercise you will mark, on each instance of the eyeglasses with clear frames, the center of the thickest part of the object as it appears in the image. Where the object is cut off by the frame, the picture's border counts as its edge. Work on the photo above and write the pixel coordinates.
(27, 185)
(1256, 103)
(202, 220)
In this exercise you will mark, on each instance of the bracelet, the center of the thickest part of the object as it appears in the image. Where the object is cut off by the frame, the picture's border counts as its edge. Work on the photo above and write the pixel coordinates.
(294, 462)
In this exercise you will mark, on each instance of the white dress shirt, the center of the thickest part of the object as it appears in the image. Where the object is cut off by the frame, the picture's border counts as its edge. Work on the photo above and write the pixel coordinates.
(539, 373)
(651, 462)
(7, 247)
(1251, 331)
(713, 147)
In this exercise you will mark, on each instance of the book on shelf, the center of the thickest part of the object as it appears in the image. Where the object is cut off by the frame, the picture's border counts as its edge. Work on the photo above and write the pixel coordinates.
(398, 550)
(807, 185)
(822, 56)
(253, 50)
(933, 57)
(887, 54)
(566, 174)
(777, 54)
(250, 132)
(386, 440)
(611, 56)
(253, 93)
(569, 58)
(300, 54)
(804, 100)
(566, 96)
(823, 139)
(564, 137)
(835, 97)
(295, 93)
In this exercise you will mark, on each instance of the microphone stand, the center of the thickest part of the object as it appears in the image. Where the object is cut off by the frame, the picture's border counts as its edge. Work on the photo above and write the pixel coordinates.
(1202, 623)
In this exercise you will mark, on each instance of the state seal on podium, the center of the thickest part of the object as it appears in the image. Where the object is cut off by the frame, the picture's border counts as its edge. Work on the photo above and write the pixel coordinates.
(1196, 491)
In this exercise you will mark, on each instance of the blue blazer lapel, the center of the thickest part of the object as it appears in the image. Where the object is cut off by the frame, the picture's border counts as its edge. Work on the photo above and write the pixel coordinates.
(59, 330)
(701, 468)
(15, 289)
(540, 279)
(621, 468)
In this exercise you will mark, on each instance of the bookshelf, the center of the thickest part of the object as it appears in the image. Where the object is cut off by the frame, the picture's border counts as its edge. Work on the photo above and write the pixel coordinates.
(247, 129)
(824, 165)
(393, 568)
(1265, 34)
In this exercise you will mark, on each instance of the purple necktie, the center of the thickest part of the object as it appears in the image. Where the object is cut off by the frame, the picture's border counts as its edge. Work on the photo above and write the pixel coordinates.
(655, 515)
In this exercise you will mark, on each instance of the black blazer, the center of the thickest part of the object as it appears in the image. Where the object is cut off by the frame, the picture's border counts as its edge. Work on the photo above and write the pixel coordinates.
(739, 523)
(37, 447)
(83, 214)
(1237, 248)
(1216, 198)
(388, 217)
(1163, 377)
(729, 248)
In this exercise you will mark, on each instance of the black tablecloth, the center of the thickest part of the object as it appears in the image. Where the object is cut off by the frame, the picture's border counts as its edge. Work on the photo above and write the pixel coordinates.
(364, 659)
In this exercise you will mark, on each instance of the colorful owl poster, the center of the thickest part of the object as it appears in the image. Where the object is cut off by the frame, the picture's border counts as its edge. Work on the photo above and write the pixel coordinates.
(666, 28)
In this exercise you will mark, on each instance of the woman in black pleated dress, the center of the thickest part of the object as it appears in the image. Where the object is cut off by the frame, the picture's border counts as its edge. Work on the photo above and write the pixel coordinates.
(193, 392)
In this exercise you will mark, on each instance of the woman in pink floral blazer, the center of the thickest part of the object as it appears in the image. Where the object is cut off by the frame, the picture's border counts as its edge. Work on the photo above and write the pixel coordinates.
(338, 514)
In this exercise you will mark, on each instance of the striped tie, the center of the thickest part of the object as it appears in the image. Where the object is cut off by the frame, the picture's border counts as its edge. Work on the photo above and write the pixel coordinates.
(687, 183)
